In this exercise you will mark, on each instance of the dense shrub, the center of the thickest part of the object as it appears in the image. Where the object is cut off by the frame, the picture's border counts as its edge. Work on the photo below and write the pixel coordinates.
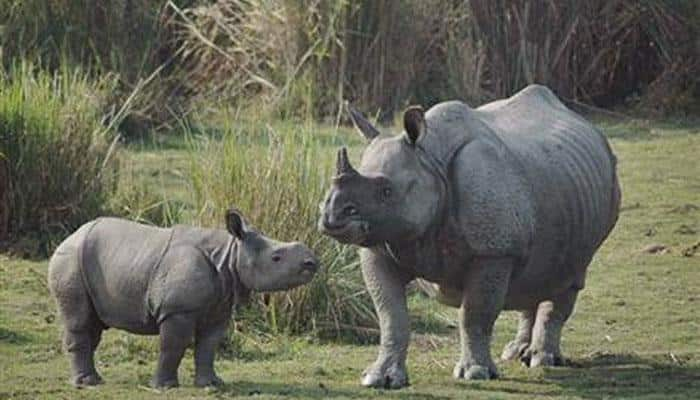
(55, 150)
(129, 39)
(277, 175)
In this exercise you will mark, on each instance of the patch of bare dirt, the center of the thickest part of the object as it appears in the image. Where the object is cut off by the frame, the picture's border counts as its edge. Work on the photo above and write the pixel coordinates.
(691, 250)
(656, 248)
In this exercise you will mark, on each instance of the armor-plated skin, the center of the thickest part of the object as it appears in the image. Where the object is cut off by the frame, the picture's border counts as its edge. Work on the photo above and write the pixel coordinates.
(496, 208)
(180, 283)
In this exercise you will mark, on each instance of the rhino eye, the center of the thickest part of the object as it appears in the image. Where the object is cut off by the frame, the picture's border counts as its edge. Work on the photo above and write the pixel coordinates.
(350, 211)
(276, 257)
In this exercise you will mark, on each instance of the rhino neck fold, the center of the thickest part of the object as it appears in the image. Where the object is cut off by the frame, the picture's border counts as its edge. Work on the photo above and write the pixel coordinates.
(241, 293)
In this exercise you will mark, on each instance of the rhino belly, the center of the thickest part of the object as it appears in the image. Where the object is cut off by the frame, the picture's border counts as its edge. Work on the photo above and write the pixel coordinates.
(118, 260)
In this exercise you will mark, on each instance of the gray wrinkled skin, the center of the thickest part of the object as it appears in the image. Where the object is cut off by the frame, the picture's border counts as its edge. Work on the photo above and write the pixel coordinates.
(180, 283)
(496, 208)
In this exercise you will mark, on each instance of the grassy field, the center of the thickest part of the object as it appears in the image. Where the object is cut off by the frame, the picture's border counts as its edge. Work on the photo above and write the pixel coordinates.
(634, 334)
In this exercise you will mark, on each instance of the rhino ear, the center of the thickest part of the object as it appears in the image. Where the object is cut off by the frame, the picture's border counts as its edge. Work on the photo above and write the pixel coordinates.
(414, 123)
(235, 223)
(361, 123)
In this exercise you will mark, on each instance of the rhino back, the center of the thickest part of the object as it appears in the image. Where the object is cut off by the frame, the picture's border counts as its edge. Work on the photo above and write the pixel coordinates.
(117, 260)
(570, 169)
(569, 162)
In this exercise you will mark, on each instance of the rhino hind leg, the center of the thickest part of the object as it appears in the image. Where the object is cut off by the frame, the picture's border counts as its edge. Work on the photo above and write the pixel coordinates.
(544, 348)
(82, 326)
(81, 345)
(519, 346)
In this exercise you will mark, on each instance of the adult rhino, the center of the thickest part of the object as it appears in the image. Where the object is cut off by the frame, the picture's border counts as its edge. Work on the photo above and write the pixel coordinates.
(496, 208)
(180, 283)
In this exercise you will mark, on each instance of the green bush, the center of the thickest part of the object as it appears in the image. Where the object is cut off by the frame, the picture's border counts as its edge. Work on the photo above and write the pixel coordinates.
(277, 173)
(56, 150)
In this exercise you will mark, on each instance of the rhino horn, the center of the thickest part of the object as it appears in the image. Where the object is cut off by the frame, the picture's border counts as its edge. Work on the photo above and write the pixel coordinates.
(343, 166)
(361, 123)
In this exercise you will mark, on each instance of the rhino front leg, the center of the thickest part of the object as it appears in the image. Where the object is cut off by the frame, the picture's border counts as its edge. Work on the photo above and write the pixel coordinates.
(175, 335)
(206, 340)
(387, 287)
(485, 288)
(519, 346)
(546, 335)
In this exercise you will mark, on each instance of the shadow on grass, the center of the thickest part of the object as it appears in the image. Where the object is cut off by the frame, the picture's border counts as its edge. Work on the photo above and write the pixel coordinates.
(318, 391)
(12, 337)
(614, 376)
(630, 376)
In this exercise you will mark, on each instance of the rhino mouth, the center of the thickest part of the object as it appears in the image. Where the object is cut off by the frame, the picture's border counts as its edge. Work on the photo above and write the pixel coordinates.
(352, 232)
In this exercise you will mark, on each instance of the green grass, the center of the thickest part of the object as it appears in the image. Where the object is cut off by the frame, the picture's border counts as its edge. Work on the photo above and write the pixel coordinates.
(634, 333)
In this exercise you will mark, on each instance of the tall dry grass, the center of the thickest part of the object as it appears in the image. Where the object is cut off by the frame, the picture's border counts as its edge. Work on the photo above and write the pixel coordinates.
(595, 51)
(302, 58)
(385, 54)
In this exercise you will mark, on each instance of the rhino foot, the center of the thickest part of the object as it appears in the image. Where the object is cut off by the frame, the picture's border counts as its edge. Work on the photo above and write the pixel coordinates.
(385, 376)
(514, 350)
(208, 380)
(469, 371)
(541, 358)
(91, 379)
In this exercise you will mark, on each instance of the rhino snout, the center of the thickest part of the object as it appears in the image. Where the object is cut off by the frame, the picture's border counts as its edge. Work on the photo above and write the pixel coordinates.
(331, 224)
(309, 266)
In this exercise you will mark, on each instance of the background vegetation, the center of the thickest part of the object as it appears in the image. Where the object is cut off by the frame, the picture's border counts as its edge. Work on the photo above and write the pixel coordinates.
(55, 150)
(633, 334)
(170, 111)
(302, 58)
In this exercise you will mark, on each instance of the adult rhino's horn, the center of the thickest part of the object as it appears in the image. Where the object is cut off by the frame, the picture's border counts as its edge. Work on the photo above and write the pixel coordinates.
(343, 166)
(361, 123)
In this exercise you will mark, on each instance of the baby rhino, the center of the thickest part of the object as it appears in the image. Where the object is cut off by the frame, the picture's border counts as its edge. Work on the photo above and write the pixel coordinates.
(180, 283)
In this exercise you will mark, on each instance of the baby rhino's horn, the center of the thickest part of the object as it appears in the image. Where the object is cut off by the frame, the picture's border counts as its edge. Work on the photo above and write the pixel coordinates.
(343, 166)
